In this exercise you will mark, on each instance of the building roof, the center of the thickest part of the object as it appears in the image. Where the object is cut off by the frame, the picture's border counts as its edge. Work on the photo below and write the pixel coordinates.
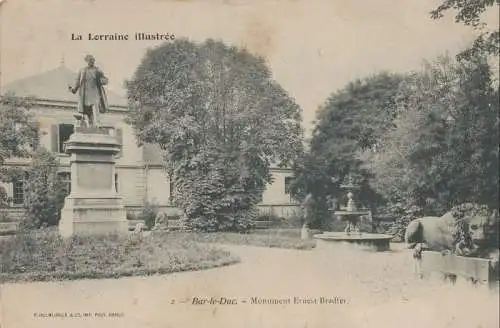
(53, 85)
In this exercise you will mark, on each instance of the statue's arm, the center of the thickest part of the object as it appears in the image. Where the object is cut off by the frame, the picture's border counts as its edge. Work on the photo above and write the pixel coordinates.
(76, 86)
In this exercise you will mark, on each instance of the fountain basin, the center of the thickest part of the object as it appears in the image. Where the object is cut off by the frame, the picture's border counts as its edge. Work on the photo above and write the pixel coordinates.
(377, 242)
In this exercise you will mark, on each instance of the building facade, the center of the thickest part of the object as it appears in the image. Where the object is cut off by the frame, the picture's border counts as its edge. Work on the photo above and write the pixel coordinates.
(139, 174)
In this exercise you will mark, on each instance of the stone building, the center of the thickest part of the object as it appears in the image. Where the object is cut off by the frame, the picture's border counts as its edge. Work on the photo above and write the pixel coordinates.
(139, 176)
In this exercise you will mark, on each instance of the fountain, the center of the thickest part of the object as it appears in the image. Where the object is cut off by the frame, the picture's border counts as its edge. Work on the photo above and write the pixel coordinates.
(352, 215)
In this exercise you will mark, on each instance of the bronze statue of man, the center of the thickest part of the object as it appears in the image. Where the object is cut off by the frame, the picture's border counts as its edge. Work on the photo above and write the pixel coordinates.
(92, 98)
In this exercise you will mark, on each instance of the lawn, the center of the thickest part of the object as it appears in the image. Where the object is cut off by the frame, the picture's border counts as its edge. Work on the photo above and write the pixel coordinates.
(275, 238)
(44, 255)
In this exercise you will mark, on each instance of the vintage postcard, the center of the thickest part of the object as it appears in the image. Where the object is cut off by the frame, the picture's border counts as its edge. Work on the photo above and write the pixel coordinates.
(249, 163)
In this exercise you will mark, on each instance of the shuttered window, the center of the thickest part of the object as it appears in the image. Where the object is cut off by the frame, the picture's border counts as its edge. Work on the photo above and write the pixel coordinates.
(19, 189)
(18, 192)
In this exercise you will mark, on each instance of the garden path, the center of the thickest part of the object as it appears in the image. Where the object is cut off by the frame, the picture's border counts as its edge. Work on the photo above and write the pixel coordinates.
(379, 290)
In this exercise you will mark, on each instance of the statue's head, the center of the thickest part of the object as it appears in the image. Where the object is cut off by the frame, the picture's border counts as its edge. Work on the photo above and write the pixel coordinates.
(476, 227)
(90, 60)
(475, 221)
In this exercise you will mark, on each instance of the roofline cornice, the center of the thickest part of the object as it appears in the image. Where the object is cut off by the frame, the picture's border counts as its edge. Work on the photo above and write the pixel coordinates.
(42, 102)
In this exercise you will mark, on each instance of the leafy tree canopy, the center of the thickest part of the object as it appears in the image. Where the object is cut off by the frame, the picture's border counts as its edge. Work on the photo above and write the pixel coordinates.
(191, 95)
(469, 13)
(352, 118)
(221, 121)
(443, 147)
(18, 137)
(18, 130)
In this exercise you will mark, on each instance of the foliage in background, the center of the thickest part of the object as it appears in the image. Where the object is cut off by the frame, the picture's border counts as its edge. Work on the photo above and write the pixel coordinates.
(221, 122)
(464, 212)
(45, 191)
(443, 147)
(469, 13)
(403, 216)
(18, 137)
(352, 119)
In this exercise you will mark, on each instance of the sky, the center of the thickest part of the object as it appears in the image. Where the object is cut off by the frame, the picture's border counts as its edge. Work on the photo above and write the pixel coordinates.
(313, 47)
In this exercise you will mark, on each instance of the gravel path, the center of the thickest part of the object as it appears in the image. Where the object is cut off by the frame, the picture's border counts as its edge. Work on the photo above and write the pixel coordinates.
(378, 288)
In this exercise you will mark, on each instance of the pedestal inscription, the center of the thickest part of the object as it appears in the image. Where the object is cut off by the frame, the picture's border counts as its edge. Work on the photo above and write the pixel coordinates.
(95, 176)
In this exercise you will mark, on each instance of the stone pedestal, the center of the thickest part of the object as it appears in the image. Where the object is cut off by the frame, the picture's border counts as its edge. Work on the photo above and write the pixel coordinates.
(93, 207)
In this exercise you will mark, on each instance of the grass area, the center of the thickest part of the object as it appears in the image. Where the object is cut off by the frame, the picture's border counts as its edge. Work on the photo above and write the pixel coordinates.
(260, 238)
(44, 255)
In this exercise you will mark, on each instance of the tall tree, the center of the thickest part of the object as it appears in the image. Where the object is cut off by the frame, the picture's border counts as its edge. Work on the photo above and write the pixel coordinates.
(469, 12)
(221, 122)
(18, 137)
(352, 119)
(443, 147)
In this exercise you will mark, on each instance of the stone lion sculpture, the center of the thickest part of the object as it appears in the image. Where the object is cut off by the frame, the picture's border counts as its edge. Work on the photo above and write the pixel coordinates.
(467, 230)
(456, 231)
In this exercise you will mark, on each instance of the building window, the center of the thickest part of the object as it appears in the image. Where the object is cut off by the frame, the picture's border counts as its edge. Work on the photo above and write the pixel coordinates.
(66, 178)
(116, 182)
(18, 192)
(60, 134)
(288, 182)
(65, 131)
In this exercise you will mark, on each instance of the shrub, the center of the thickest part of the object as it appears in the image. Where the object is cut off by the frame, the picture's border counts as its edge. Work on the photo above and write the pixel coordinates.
(148, 214)
(404, 215)
(217, 198)
(45, 191)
